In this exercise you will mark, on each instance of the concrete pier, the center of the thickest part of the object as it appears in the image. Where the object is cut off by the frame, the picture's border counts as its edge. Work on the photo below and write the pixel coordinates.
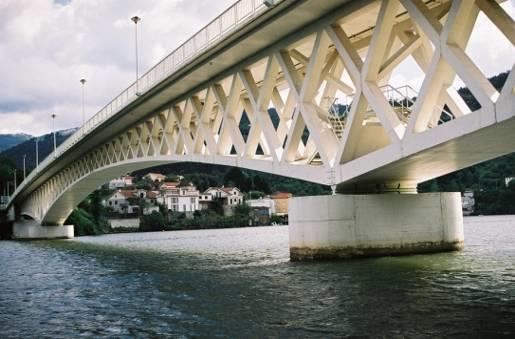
(348, 226)
(31, 230)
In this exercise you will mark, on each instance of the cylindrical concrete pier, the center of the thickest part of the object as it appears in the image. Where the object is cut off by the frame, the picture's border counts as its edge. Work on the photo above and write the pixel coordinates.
(349, 226)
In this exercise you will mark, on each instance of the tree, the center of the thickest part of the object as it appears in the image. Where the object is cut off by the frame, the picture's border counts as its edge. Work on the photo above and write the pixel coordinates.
(260, 184)
(152, 222)
(235, 176)
(242, 210)
(434, 186)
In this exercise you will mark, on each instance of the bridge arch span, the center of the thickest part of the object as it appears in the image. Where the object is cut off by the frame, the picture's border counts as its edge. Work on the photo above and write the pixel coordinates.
(52, 203)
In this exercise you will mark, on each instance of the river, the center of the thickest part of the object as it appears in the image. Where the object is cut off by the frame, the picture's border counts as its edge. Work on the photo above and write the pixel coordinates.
(240, 283)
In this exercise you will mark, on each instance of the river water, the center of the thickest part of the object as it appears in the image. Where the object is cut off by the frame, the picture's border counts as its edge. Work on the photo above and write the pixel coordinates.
(239, 283)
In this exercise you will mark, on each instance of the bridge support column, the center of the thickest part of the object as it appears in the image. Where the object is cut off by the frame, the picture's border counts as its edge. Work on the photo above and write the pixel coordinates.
(348, 226)
(31, 230)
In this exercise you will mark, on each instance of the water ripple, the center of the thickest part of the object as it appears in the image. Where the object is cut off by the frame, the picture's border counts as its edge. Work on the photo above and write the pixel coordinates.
(240, 283)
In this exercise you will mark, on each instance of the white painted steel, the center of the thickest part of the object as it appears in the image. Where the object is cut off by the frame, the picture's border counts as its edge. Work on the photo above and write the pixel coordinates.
(350, 50)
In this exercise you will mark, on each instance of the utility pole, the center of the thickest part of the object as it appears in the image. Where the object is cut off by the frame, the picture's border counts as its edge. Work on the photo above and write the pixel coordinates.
(37, 154)
(15, 181)
(83, 81)
(53, 129)
(24, 172)
(136, 19)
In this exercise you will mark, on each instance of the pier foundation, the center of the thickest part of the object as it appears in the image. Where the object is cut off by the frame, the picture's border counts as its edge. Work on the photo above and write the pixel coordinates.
(349, 226)
(31, 230)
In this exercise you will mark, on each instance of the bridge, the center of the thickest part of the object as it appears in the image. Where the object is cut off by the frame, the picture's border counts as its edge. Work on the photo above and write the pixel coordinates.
(325, 67)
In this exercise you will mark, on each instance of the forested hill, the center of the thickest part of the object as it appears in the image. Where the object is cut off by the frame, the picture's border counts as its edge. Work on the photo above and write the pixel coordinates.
(28, 148)
(10, 140)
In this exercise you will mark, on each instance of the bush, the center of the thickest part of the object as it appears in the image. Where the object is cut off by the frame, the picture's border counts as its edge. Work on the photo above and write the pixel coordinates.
(152, 222)
(84, 223)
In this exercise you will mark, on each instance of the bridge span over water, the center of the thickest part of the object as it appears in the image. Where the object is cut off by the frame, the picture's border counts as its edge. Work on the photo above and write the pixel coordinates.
(325, 67)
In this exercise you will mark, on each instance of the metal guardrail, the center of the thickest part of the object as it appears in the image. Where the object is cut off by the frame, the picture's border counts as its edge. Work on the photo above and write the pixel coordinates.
(228, 22)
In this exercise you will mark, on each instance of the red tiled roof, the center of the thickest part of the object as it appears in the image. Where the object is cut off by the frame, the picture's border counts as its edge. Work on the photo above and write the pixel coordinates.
(281, 195)
(127, 193)
(152, 194)
(170, 184)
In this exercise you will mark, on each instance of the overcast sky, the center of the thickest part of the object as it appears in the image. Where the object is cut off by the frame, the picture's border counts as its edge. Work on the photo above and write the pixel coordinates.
(46, 46)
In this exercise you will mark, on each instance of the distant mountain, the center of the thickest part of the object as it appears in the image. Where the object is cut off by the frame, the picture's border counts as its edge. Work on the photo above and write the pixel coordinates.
(28, 148)
(11, 140)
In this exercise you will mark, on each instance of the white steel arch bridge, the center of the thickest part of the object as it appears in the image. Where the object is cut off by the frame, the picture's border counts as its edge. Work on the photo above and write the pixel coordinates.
(298, 57)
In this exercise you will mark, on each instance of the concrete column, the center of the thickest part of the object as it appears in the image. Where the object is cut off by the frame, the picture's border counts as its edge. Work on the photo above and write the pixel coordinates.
(31, 230)
(347, 226)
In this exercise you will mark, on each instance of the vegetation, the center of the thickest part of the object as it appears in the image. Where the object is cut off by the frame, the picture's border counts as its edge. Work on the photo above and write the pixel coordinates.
(7, 168)
(90, 217)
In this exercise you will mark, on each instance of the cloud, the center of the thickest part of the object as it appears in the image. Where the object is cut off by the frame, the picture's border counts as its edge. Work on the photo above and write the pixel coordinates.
(46, 46)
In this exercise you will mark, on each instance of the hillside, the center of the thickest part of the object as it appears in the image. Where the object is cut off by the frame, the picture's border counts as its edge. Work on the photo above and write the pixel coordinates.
(10, 140)
(28, 148)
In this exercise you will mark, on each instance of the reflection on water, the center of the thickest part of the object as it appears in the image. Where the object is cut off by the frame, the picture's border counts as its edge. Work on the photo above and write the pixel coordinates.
(239, 282)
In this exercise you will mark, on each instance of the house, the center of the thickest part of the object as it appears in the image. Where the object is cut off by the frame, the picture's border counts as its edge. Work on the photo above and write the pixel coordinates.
(169, 185)
(468, 202)
(229, 196)
(121, 182)
(281, 202)
(260, 216)
(182, 199)
(262, 210)
(155, 177)
(205, 201)
(128, 201)
(152, 197)
(263, 203)
(120, 202)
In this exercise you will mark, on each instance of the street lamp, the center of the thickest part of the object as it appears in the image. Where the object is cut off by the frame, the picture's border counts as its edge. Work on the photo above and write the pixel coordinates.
(24, 173)
(83, 81)
(53, 130)
(37, 154)
(136, 19)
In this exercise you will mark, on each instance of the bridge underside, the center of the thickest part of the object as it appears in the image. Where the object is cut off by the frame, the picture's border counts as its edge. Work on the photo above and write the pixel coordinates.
(336, 119)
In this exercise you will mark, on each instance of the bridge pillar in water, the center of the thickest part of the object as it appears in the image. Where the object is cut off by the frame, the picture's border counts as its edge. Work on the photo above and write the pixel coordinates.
(31, 230)
(348, 226)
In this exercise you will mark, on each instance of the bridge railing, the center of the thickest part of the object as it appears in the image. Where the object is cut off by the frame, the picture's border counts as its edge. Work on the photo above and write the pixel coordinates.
(228, 22)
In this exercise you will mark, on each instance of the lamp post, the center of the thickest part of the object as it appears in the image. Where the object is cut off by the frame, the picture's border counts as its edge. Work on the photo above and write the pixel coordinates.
(53, 130)
(136, 19)
(83, 81)
(24, 172)
(37, 154)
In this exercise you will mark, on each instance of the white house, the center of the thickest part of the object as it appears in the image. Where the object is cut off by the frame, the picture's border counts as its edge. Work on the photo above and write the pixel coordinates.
(230, 196)
(119, 202)
(182, 199)
(263, 203)
(121, 182)
(205, 201)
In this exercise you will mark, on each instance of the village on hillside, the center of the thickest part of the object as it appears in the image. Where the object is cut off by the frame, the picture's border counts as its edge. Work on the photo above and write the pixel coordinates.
(127, 202)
